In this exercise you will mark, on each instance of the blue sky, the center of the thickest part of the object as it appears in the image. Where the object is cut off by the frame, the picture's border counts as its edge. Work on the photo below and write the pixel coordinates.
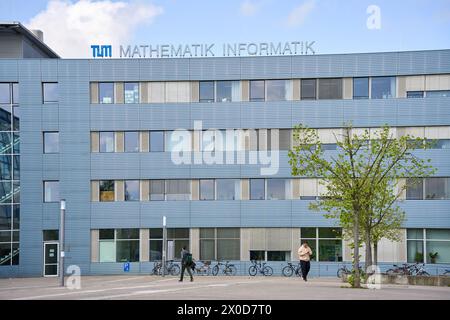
(337, 26)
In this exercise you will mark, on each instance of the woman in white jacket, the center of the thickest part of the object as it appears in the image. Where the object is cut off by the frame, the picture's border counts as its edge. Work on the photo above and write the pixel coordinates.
(304, 254)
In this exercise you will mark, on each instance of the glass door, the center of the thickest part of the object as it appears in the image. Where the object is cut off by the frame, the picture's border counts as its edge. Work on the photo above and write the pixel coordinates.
(51, 259)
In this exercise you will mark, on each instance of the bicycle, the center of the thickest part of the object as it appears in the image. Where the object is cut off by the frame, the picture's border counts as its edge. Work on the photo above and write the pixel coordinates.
(171, 268)
(447, 271)
(204, 269)
(258, 267)
(344, 270)
(228, 269)
(290, 269)
(418, 270)
(405, 269)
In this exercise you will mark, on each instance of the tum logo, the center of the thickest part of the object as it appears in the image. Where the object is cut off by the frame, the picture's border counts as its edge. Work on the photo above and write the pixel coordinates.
(101, 51)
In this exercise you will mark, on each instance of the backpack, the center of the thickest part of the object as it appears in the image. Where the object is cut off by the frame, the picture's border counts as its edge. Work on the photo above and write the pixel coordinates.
(188, 259)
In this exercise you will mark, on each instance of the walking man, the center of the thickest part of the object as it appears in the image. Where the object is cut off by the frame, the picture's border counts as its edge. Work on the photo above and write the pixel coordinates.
(186, 263)
(304, 254)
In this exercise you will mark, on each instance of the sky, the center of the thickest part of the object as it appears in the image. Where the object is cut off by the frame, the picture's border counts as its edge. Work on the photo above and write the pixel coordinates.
(336, 26)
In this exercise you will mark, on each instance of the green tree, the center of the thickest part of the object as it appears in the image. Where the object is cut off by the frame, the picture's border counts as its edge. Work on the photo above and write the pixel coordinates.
(360, 180)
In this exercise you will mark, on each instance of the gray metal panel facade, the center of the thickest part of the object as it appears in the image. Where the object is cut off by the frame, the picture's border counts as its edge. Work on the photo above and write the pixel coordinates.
(75, 166)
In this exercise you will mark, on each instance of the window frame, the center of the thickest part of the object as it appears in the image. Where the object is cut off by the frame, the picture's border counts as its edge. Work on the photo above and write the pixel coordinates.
(45, 144)
(113, 100)
(45, 191)
(44, 101)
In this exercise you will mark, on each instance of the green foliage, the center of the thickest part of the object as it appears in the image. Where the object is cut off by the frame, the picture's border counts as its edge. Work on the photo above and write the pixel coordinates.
(360, 182)
(433, 256)
(418, 258)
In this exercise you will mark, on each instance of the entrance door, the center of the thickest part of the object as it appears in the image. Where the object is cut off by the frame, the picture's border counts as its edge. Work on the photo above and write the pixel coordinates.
(51, 259)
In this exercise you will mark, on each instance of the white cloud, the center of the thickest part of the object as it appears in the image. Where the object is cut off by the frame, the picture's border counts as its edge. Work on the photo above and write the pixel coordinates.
(298, 15)
(70, 28)
(248, 8)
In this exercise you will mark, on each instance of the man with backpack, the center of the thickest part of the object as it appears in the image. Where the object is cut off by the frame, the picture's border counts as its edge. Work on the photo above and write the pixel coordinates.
(186, 263)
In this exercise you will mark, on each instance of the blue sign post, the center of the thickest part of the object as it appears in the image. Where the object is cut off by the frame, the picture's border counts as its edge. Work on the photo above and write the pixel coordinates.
(126, 267)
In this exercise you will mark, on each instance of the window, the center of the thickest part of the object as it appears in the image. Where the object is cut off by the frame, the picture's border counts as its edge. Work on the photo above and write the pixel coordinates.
(277, 189)
(414, 245)
(383, 87)
(330, 88)
(178, 189)
(132, 190)
(257, 90)
(438, 245)
(414, 189)
(5, 93)
(15, 95)
(276, 90)
(50, 235)
(278, 256)
(228, 189)
(131, 141)
(207, 189)
(156, 190)
(51, 142)
(326, 243)
(206, 91)
(50, 92)
(308, 89)
(177, 238)
(414, 94)
(440, 144)
(360, 88)
(51, 191)
(156, 141)
(107, 142)
(258, 255)
(285, 139)
(106, 190)
(131, 92)
(119, 245)
(156, 244)
(106, 92)
(257, 189)
(177, 140)
(437, 189)
(224, 91)
(219, 244)
(438, 93)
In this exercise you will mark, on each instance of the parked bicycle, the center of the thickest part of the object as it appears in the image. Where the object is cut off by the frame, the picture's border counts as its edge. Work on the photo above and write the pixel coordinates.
(259, 267)
(416, 269)
(171, 268)
(344, 270)
(446, 272)
(204, 269)
(290, 269)
(227, 269)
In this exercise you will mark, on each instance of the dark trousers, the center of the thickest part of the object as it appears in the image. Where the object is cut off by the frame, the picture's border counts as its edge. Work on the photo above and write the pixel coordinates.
(305, 265)
(188, 269)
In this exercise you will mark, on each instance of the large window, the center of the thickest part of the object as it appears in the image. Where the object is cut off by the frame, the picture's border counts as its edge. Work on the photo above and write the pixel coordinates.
(5, 93)
(278, 189)
(131, 141)
(177, 238)
(257, 189)
(271, 255)
(360, 88)
(383, 87)
(436, 188)
(228, 189)
(330, 88)
(414, 94)
(131, 92)
(50, 92)
(157, 190)
(276, 90)
(106, 190)
(119, 245)
(436, 242)
(106, 92)
(178, 189)
(224, 91)
(206, 91)
(438, 93)
(107, 142)
(207, 189)
(51, 142)
(257, 90)
(132, 190)
(156, 244)
(219, 244)
(51, 191)
(156, 141)
(326, 243)
(308, 89)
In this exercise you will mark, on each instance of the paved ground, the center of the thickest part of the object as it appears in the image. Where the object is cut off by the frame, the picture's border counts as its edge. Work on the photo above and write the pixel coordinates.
(223, 288)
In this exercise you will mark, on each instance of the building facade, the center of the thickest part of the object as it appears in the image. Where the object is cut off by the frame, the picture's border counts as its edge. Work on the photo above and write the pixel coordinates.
(102, 135)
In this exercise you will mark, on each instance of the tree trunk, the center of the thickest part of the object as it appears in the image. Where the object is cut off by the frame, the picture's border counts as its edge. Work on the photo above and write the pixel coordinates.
(368, 250)
(375, 252)
(357, 280)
